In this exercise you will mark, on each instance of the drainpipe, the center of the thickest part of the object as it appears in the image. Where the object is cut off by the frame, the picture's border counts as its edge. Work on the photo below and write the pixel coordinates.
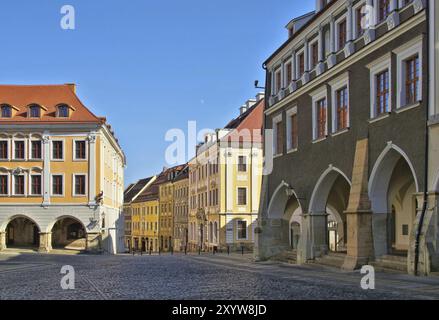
(426, 162)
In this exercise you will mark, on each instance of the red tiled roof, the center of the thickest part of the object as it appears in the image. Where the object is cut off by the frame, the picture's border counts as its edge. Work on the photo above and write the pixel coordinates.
(249, 129)
(47, 96)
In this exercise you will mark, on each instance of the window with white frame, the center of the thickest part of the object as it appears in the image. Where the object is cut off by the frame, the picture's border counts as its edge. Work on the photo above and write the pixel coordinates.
(288, 71)
(4, 149)
(35, 185)
(360, 25)
(79, 150)
(57, 150)
(314, 53)
(57, 185)
(319, 113)
(341, 32)
(19, 149)
(19, 181)
(380, 86)
(242, 164)
(79, 184)
(277, 81)
(241, 229)
(4, 184)
(340, 103)
(35, 150)
(277, 135)
(292, 129)
(409, 73)
(300, 63)
(242, 196)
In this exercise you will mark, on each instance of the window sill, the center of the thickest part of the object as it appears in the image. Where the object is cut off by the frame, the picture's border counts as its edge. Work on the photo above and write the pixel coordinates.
(57, 160)
(80, 160)
(319, 139)
(292, 150)
(278, 155)
(379, 118)
(407, 107)
(57, 196)
(337, 133)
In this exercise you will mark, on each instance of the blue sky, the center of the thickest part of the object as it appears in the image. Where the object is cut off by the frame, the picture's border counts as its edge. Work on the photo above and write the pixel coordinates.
(148, 66)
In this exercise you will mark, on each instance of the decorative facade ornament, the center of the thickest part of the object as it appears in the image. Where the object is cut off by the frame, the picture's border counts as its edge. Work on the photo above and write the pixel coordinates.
(392, 20)
(418, 5)
(369, 36)
(92, 138)
(45, 139)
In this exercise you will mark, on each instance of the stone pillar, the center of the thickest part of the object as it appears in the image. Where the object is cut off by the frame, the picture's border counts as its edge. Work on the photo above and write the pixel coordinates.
(93, 243)
(332, 59)
(318, 234)
(320, 66)
(305, 77)
(92, 170)
(2, 240)
(393, 18)
(46, 169)
(359, 213)
(350, 47)
(45, 242)
(369, 34)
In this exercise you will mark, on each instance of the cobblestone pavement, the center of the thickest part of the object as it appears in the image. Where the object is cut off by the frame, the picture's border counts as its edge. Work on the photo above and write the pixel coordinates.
(179, 277)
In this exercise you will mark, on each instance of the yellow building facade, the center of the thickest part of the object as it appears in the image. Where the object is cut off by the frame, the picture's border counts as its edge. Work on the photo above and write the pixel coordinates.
(61, 172)
(225, 182)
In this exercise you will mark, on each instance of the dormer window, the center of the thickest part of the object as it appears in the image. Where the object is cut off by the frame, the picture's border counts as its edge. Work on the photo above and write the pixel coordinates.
(63, 111)
(34, 111)
(6, 111)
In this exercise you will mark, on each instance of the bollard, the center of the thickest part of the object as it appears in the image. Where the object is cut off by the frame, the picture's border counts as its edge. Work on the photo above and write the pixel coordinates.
(199, 251)
(242, 249)
(150, 251)
(228, 250)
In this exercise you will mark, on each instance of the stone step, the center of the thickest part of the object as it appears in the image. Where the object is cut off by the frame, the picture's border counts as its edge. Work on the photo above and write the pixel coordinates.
(390, 263)
(332, 259)
(289, 256)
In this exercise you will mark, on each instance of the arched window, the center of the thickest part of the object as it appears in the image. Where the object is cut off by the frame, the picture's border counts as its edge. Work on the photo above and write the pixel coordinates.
(6, 111)
(34, 111)
(63, 111)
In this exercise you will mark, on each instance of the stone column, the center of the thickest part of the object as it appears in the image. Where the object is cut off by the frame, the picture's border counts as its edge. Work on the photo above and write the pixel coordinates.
(332, 59)
(369, 34)
(393, 18)
(350, 47)
(305, 77)
(2, 240)
(45, 242)
(93, 243)
(92, 170)
(318, 222)
(359, 213)
(46, 170)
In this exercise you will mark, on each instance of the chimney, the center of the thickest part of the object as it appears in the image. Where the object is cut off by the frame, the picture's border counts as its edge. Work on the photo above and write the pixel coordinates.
(250, 103)
(260, 96)
(243, 109)
(72, 86)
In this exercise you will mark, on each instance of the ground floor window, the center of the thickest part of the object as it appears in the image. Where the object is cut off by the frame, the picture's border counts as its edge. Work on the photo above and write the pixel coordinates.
(241, 229)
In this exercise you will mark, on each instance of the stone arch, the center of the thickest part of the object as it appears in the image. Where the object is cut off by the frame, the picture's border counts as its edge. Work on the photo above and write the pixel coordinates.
(279, 200)
(68, 232)
(21, 231)
(392, 186)
(381, 174)
(323, 187)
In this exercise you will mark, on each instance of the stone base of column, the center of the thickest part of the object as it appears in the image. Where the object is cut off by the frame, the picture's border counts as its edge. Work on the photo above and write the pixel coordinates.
(332, 60)
(45, 243)
(320, 68)
(2, 241)
(369, 36)
(93, 242)
(305, 78)
(393, 20)
(349, 49)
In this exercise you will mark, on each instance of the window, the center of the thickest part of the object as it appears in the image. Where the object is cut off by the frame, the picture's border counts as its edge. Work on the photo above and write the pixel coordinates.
(278, 135)
(57, 150)
(80, 150)
(19, 185)
(35, 185)
(321, 124)
(34, 111)
(57, 185)
(409, 75)
(380, 86)
(242, 164)
(314, 54)
(80, 185)
(242, 196)
(289, 73)
(6, 111)
(382, 92)
(36, 150)
(241, 227)
(383, 9)
(278, 81)
(19, 153)
(63, 111)
(292, 132)
(361, 16)
(342, 34)
(342, 109)
(411, 80)
(4, 185)
(4, 150)
(301, 64)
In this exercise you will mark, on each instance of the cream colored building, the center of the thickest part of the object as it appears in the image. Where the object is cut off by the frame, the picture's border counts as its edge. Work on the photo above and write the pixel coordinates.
(61, 172)
(225, 183)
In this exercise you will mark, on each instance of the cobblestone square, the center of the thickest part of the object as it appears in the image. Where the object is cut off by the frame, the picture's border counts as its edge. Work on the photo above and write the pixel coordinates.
(193, 277)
